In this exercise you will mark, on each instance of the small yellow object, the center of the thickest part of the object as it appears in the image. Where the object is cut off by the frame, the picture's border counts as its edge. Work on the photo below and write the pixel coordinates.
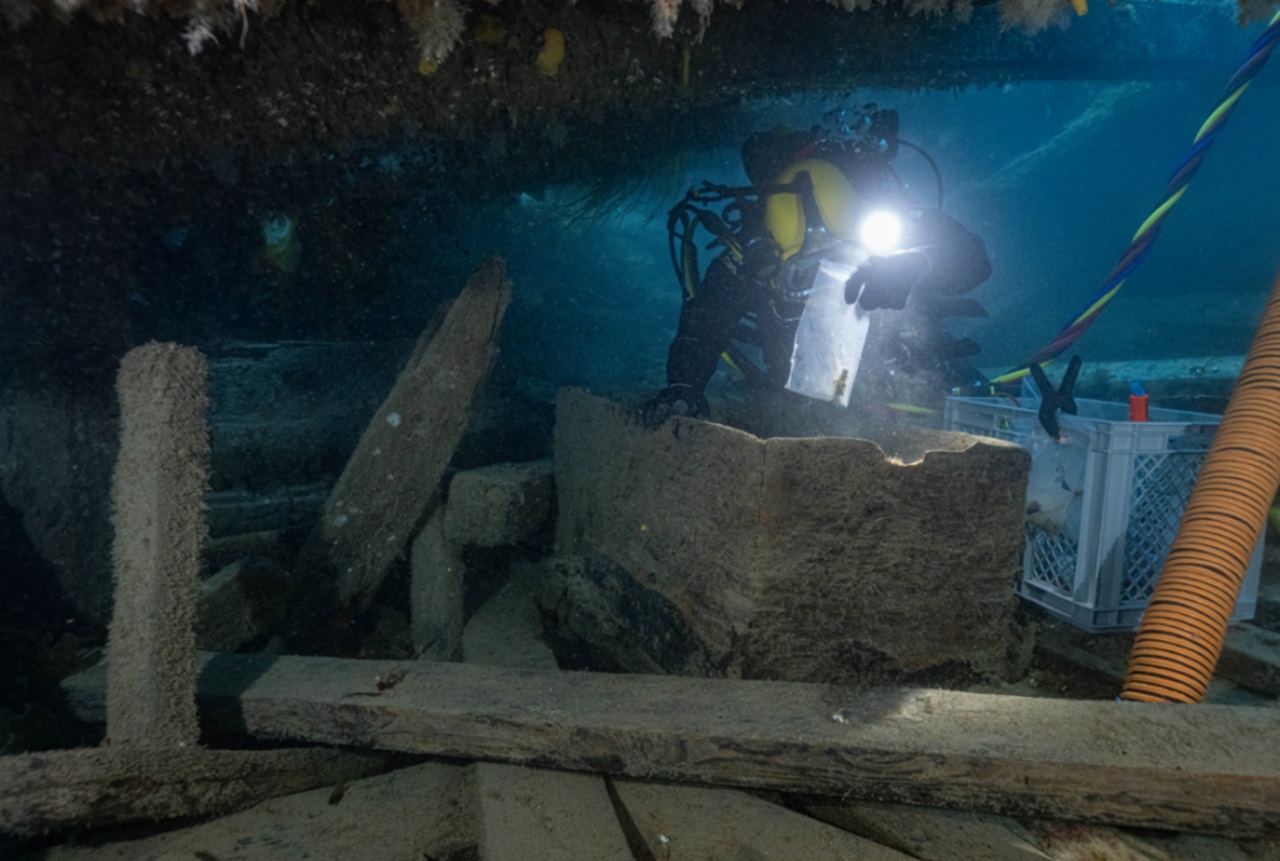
(912, 409)
(488, 30)
(1081, 6)
(427, 67)
(552, 54)
(842, 382)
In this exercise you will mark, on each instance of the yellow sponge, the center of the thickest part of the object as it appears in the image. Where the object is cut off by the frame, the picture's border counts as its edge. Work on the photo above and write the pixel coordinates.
(552, 54)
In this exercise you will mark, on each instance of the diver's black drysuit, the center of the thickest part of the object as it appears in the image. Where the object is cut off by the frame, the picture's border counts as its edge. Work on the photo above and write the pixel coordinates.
(740, 300)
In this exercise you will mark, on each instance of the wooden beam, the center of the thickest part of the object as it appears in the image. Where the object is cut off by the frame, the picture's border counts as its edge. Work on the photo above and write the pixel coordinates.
(90, 787)
(437, 583)
(419, 812)
(1199, 768)
(389, 481)
(161, 476)
(534, 813)
(244, 601)
(1096, 666)
(1251, 659)
(701, 822)
(569, 815)
(931, 835)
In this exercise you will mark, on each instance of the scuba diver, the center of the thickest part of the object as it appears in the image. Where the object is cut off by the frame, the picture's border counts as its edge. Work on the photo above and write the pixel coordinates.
(824, 235)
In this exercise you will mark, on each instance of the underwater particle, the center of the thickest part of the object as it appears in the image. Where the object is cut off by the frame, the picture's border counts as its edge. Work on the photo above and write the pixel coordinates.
(552, 53)
(394, 420)
(280, 245)
(340, 520)
(488, 30)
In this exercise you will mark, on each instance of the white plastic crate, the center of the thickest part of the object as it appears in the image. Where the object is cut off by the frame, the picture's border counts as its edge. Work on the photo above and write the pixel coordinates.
(1103, 506)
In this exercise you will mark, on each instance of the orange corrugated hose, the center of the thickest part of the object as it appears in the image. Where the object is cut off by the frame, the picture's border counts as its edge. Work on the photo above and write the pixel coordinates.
(1182, 632)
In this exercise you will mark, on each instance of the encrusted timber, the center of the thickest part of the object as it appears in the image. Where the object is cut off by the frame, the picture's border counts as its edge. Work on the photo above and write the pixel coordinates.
(798, 558)
(1196, 768)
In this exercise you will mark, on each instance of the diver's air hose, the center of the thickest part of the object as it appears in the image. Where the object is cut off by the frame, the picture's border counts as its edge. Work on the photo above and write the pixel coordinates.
(1182, 632)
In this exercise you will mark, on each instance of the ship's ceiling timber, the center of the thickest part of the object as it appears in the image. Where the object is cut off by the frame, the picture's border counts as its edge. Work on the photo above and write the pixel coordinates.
(341, 73)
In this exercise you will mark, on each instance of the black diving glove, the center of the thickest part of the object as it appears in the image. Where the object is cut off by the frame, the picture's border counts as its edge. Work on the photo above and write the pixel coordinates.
(885, 281)
(679, 399)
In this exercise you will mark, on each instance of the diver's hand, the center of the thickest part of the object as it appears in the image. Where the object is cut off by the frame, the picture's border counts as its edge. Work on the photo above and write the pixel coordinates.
(679, 399)
(885, 281)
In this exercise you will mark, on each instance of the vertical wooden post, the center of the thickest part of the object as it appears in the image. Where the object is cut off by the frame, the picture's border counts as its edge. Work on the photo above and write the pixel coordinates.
(161, 475)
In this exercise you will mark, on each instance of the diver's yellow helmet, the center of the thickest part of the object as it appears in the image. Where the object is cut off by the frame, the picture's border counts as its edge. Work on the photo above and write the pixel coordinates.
(784, 213)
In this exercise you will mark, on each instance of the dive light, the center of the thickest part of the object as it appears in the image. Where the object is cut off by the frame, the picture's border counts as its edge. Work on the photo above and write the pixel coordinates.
(880, 232)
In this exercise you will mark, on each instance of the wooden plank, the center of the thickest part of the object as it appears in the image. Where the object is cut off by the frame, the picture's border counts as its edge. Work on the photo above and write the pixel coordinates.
(1205, 768)
(410, 814)
(243, 602)
(699, 822)
(389, 481)
(507, 630)
(438, 575)
(570, 816)
(222, 551)
(552, 816)
(93, 787)
(1097, 665)
(932, 835)
(1251, 659)
(1063, 842)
